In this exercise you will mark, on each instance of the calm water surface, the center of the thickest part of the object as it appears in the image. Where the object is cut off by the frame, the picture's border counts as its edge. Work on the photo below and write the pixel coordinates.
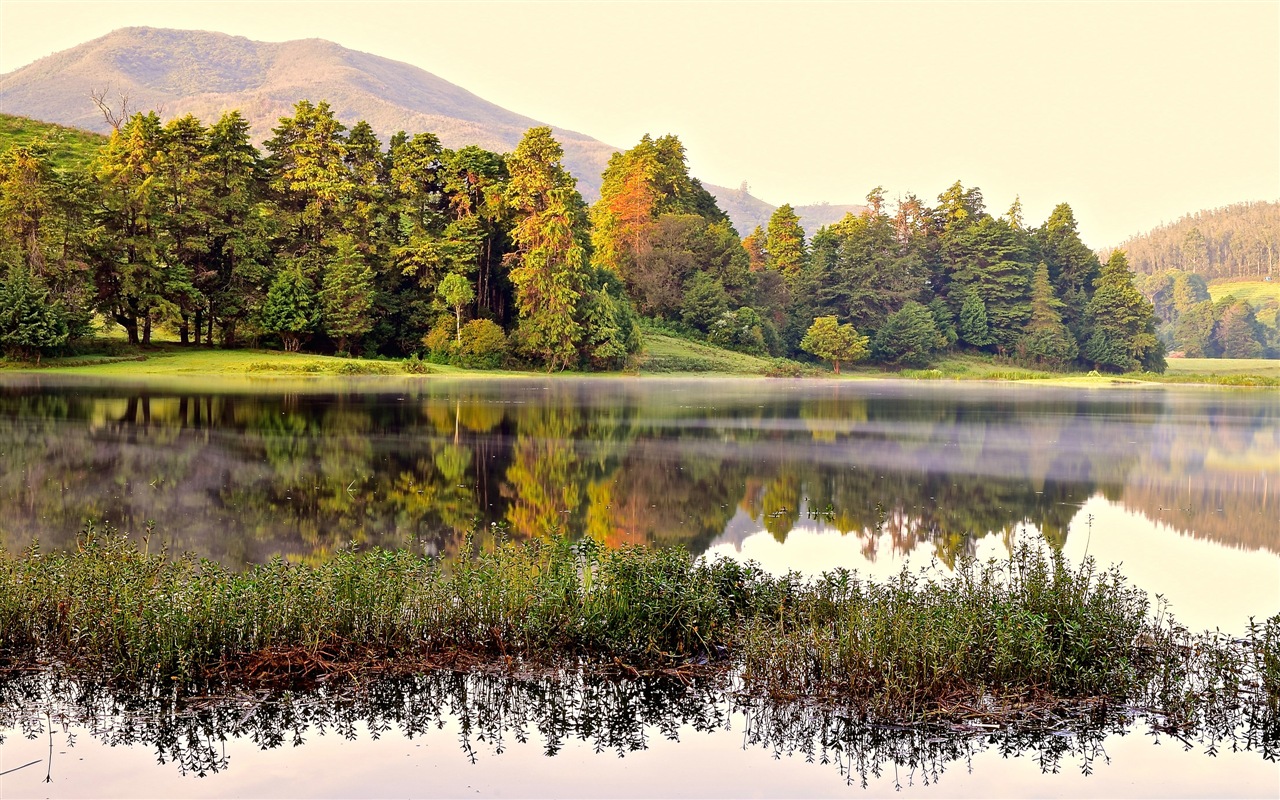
(1180, 486)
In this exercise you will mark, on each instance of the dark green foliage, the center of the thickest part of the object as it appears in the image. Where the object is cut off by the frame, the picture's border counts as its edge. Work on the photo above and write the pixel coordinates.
(1047, 341)
(1121, 323)
(1073, 267)
(704, 301)
(973, 329)
(1238, 333)
(908, 338)
(743, 330)
(30, 325)
(1193, 332)
(345, 301)
(290, 309)
(611, 330)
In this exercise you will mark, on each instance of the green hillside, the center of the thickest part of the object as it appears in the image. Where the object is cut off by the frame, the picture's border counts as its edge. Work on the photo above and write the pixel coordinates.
(1263, 295)
(68, 146)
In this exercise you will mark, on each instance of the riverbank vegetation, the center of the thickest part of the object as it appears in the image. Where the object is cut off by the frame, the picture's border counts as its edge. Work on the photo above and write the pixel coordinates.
(336, 242)
(1030, 629)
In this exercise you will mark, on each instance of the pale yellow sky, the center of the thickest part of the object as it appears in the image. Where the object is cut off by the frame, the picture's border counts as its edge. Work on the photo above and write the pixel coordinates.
(1135, 113)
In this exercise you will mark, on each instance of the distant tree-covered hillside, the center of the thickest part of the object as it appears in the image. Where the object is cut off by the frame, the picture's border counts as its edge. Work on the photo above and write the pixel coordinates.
(1237, 241)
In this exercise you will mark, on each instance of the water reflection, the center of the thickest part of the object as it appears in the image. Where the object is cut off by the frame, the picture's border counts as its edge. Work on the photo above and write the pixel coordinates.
(240, 477)
(489, 714)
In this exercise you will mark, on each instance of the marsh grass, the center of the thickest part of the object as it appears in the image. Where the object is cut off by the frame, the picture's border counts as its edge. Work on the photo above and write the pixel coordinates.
(1031, 628)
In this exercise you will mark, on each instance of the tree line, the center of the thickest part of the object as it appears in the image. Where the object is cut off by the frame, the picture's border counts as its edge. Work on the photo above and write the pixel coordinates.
(1236, 241)
(329, 241)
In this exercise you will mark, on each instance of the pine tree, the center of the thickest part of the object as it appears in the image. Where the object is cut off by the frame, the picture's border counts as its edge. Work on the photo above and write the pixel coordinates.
(1047, 340)
(908, 337)
(551, 236)
(973, 328)
(290, 307)
(1121, 322)
(29, 324)
(784, 245)
(345, 294)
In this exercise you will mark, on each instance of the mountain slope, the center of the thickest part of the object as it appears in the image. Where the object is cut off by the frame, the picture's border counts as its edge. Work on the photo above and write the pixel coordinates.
(203, 73)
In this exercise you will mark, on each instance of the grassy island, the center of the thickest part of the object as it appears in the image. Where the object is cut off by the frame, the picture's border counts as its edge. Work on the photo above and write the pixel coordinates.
(1024, 632)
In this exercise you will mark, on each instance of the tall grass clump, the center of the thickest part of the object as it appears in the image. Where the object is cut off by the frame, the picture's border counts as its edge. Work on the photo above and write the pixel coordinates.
(1030, 629)
(112, 608)
(1031, 625)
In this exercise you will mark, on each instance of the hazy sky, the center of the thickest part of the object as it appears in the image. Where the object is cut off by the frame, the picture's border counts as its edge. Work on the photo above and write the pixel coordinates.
(1135, 113)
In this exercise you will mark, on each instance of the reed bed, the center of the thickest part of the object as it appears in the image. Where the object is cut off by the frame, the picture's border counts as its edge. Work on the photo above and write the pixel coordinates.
(1031, 628)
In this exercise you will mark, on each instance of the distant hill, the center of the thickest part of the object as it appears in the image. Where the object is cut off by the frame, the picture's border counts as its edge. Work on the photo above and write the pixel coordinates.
(177, 72)
(1236, 241)
(747, 212)
(68, 146)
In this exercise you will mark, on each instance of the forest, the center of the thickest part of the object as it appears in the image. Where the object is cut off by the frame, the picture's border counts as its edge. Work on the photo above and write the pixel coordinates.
(329, 241)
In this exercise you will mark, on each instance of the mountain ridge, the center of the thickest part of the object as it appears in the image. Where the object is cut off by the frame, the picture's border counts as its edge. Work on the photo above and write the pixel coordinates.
(205, 73)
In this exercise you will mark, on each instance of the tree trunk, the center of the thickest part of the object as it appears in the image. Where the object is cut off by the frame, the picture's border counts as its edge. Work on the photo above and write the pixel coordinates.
(146, 330)
(130, 326)
(836, 362)
(198, 327)
(184, 329)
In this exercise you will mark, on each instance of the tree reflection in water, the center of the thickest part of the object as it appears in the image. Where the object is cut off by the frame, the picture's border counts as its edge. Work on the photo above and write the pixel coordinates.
(242, 476)
(613, 716)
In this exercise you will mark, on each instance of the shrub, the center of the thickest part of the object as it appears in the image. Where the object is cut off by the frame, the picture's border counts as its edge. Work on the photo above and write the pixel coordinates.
(484, 345)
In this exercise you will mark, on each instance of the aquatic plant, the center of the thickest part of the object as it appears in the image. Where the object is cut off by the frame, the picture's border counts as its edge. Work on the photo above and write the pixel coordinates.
(989, 640)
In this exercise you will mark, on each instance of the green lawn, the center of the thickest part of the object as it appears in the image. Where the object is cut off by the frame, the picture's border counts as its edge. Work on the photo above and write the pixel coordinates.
(1265, 367)
(662, 355)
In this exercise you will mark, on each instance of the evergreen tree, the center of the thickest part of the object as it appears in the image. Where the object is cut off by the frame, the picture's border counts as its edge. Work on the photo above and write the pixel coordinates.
(1047, 340)
(185, 186)
(345, 294)
(290, 307)
(1073, 267)
(992, 259)
(1237, 332)
(29, 324)
(973, 328)
(1121, 322)
(550, 235)
(239, 229)
(784, 246)
(704, 301)
(309, 175)
(1193, 333)
(908, 337)
(130, 261)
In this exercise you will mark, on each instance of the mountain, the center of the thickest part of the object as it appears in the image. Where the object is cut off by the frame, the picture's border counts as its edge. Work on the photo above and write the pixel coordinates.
(203, 73)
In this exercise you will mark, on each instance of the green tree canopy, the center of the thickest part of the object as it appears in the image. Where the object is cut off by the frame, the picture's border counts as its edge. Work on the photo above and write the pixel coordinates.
(290, 307)
(828, 339)
(29, 325)
(1121, 322)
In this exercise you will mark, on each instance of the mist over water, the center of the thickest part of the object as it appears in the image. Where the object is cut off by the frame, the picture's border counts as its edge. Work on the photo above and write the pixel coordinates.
(1177, 485)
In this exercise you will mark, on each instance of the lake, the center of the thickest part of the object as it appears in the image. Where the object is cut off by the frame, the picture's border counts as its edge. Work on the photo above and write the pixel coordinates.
(1177, 485)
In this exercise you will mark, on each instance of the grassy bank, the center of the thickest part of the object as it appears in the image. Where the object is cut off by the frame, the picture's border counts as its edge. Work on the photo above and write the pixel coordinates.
(663, 355)
(1031, 628)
